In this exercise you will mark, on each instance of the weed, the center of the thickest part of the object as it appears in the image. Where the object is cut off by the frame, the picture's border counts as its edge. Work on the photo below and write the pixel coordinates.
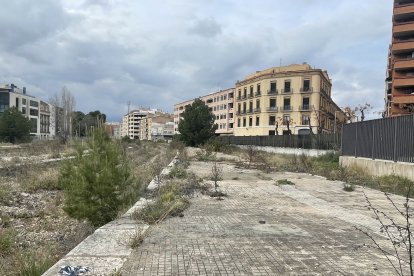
(235, 178)
(43, 180)
(7, 242)
(349, 187)
(167, 205)
(396, 184)
(284, 182)
(34, 264)
(178, 171)
(205, 156)
(137, 238)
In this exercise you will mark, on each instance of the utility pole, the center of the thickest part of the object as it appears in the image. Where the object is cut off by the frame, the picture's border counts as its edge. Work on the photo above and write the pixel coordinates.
(129, 105)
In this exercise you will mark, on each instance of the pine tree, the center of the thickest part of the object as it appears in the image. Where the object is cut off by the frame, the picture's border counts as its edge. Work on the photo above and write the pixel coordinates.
(197, 124)
(14, 126)
(98, 183)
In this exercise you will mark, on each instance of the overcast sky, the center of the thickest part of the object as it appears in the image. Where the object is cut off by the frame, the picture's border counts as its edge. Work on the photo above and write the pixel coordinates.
(155, 53)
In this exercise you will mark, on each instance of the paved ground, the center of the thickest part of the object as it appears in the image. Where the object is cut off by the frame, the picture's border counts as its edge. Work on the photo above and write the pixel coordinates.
(308, 230)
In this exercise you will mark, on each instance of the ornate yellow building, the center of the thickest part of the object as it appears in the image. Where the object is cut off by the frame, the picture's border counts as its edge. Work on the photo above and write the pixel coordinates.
(279, 100)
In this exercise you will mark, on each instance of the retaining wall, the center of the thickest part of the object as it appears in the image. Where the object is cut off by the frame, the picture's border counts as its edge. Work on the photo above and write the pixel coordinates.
(292, 151)
(379, 167)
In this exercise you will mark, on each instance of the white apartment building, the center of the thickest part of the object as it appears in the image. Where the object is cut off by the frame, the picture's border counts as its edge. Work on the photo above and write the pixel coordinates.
(37, 111)
(135, 127)
(220, 103)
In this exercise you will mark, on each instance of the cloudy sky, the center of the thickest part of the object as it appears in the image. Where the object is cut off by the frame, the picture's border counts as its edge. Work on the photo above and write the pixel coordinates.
(155, 53)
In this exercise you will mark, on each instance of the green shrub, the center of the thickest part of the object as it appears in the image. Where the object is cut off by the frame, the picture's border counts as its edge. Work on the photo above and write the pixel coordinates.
(349, 187)
(98, 183)
(217, 145)
(178, 171)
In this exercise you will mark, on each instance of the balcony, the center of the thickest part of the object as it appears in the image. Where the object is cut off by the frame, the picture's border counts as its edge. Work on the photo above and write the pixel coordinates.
(400, 47)
(238, 98)
(306, 90)
(304, 107)
(404, 82)
(231, 100)
(404, 64)
(401, 28)
(272, 92)
(250, 111)
(403, 99)
(258, 94)
(287, 91)
(257, 110)
(251, 96)
(272, 109)
(241, 113)
(403, 9)
(287, 108)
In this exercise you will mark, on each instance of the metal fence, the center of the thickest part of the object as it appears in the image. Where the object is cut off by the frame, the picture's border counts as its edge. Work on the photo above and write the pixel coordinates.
(386, 139)
(320, 141)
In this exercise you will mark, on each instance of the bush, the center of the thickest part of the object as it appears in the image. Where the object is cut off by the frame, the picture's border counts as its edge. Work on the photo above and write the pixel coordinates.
(396, 184)
(98, 183)
(285, 182)
(217, 145)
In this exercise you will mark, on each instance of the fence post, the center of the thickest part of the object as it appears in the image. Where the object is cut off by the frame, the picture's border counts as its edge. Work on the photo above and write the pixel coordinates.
(356, 139)
(395, 139)
(373, 141)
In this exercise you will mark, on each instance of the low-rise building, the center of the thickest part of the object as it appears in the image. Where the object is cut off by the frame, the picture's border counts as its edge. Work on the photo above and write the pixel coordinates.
(36, 110)
(293, 99)
(113, 129)
(155, 127)
(220, 103)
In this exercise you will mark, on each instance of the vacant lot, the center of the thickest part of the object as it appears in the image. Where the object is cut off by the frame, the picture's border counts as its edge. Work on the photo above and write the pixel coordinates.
(265, 227)
(34, 230)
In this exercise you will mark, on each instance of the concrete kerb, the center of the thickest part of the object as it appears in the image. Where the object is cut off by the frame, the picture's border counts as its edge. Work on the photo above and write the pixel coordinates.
(105, 251)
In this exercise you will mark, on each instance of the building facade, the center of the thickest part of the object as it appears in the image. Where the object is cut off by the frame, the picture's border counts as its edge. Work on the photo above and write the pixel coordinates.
(37, 111)
(293, 99)
(113, 129)
(399, 97)
(220, 103)
(137, 123)
(157, 127)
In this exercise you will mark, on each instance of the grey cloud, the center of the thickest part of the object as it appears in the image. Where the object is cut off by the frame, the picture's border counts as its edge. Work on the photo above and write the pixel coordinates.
(206, 28)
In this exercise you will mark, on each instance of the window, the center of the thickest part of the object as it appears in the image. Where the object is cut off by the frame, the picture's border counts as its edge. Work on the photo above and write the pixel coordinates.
(272, 120)
(239, 94)
(305, 119)
(225, 97)
(34, 112)
(231, 115)
(250, 121)
(257, 104)
(272, 132)
(34, 103)
(306, 85)
(251, 90)
(231, 125)
(258, 89)
(244, 122)
(23, 101)
(287, 86)
(24, 110)
(33, 121)
(305, 103)
(239, 108)
(250, 106)
(257, 121)
(286, 104)
(273, 87)
(214, 108)
(272, 103)
(238, 122)
(245, 93)
(17, 103)
(244, 107)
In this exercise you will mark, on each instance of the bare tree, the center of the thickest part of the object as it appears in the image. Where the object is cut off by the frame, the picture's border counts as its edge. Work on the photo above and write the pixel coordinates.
(399, 234)
(216, 176)
(362, 109)
(63, 106)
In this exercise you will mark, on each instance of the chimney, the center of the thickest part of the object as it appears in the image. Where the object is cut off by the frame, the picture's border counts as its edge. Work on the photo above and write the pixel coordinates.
(24, 90)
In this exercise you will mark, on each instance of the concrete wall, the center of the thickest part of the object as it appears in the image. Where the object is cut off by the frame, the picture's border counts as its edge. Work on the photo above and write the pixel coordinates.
(293, 151)
(379, 167)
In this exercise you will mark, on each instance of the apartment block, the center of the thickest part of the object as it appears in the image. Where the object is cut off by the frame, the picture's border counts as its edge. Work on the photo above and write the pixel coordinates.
(220, 103)
(37, 111)
(113, 129)
(137, 123)
(294, 99)
(399, 96)
(157, 127)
